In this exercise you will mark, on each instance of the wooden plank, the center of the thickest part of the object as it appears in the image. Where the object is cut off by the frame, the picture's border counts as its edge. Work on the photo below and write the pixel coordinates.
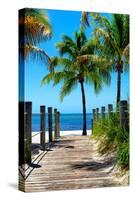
(68, 165)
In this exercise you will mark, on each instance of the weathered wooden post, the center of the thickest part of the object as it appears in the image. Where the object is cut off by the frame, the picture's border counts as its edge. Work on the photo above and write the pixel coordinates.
(94, 114)
(50, 123)
(103, 112)
(93, 118)
(110, 109)
(42, 126)
(21, 132)
(97, 113)
(58, 124)
(124, 115)
(55, 123)
(27, 132)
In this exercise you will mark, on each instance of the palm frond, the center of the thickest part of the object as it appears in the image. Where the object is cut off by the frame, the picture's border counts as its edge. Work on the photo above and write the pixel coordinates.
(126, 53)
(84, 21)
(36, 26)
(101, 21)
(105, 76)
(68, 41)
(89, 46)
(64, 48)
(126, 31)
(125, 56)
(113, 33)
(59, 76)
(109, 44)
(36, 53)
(80, 38)
(120, 28)
(47, 79)
(68, 86)
(64, 63)
(93, 59)
(94, 79)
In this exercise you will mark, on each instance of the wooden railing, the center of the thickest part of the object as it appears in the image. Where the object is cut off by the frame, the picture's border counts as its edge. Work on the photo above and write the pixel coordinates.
(123, 113)
(25, 130)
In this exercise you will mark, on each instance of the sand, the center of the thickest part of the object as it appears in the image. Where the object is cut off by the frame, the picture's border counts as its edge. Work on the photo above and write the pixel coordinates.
(36, 135)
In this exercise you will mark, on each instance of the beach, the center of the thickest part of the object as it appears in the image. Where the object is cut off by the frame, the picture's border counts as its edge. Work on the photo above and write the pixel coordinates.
(36, 135)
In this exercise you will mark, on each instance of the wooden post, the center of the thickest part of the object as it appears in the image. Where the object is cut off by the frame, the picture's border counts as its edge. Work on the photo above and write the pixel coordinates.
(103, 112)
(94, 114)
(42, 126)
(50, 123)
(27, 132)
(93, 118)
(110, 109)
(55, 123)
(97, 113)
(123, 115)
(21, 133)
(58, 124)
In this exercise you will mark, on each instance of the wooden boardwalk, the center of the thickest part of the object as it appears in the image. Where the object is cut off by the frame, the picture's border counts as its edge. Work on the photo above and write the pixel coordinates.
(69, 164)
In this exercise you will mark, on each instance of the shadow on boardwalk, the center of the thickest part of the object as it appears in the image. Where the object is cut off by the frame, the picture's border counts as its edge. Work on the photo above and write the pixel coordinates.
(69, 165)
(93, 165)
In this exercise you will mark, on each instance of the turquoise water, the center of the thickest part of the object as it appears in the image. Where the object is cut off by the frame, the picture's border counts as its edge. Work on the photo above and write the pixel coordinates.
(67, 122)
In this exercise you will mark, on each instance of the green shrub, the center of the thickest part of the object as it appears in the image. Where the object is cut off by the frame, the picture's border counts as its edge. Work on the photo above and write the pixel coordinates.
(122, 136)
(112, 138)
(123, 155)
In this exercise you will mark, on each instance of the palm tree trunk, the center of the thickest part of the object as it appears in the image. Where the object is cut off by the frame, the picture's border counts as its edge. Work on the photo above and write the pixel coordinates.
(84, 108)
(119, 68)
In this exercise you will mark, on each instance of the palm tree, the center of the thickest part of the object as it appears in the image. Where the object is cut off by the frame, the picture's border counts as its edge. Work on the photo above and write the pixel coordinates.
(78, 64)
(113, 35)
(34, 27)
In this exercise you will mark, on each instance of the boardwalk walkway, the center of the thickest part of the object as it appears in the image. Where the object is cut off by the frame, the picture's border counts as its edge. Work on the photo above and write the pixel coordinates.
(69, 164)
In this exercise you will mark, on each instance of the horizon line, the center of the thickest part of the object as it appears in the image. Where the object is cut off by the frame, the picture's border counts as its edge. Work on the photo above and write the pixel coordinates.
(65, 113)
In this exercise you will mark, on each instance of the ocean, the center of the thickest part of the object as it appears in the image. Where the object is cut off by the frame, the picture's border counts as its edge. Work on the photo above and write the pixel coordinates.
(67, 122)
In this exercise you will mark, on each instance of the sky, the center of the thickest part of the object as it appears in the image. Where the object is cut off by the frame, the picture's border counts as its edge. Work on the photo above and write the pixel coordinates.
(66, 22)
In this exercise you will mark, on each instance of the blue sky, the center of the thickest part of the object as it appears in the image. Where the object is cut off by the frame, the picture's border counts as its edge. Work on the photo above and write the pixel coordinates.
(66, 22)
